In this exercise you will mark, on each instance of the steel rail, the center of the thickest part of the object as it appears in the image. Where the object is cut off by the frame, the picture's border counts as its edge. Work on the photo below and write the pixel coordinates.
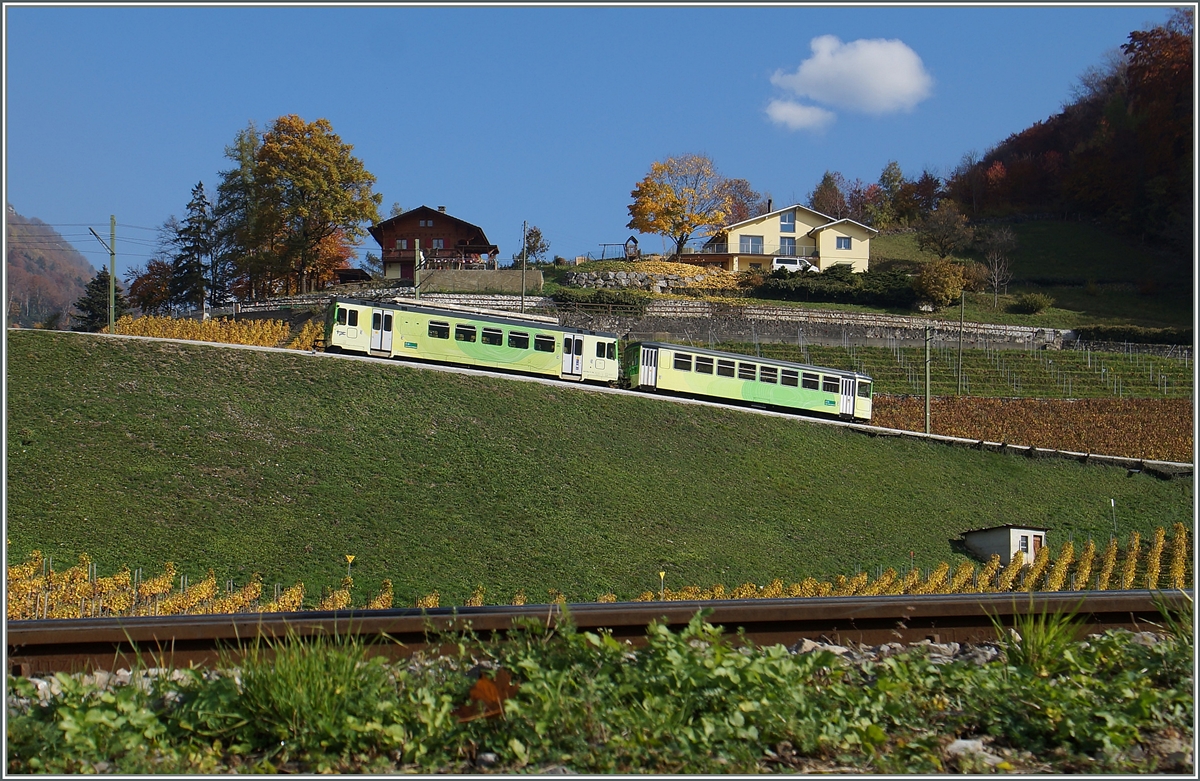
(40, 647)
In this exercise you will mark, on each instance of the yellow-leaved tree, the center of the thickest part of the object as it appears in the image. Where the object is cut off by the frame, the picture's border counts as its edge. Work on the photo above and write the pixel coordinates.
(680, 197)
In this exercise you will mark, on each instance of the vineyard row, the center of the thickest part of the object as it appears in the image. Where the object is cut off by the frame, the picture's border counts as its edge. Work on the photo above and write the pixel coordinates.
(36, 590)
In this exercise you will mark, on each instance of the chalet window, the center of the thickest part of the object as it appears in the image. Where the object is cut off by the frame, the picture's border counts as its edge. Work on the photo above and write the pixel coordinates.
(788, 377)
(787, 222)
(492, 336)
(725, 368)
(768, 374)
(518, 340)
(843, 242)
(438, 243)
(426, 223)
(543, 344)
(810, 381)
(683, 362)
(464, 333)
(831, 384)
(439, 330)
(747, 371)
(704, 365)
(787, 245)
(750, 245)
(401, 243)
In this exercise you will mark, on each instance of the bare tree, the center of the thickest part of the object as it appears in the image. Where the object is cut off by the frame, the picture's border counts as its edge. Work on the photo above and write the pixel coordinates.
(999, 273)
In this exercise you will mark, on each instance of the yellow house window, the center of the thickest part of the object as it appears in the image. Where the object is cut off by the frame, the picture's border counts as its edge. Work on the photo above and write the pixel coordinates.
(843, 242)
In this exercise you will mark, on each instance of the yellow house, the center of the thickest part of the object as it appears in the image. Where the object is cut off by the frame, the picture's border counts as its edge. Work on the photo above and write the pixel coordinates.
(796, 238)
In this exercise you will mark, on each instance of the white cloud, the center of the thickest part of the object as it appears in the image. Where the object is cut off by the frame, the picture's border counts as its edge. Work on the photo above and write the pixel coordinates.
(874, 76)
(797, 116)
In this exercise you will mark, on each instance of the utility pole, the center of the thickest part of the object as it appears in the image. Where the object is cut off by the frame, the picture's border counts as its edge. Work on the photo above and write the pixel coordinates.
(928, 338)
(524, 228)
(417, 268)
(962, 303)
(112, 269)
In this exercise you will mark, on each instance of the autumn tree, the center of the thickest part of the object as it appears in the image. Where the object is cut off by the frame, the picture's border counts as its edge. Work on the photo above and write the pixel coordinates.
(536, 248)
(944, 231)
(92, 306)
(150, 288)
(679, 197)
(829, 196)
(320, 191)
(744, 201)
(940, 282)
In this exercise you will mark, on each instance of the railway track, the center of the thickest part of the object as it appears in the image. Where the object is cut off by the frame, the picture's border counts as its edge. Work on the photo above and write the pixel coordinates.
(41, 647)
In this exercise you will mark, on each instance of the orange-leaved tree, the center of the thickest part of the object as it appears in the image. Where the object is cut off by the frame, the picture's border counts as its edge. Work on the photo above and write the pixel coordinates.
(680, 197)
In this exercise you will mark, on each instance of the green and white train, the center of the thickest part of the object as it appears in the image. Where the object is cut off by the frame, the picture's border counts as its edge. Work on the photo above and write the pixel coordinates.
(693, 371)
(533, 345)
(538, 345)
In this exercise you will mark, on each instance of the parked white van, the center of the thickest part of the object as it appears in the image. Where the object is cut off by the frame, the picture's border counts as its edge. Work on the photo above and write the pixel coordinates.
(791, 264)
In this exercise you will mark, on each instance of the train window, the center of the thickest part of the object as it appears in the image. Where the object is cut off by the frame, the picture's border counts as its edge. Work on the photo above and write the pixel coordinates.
(567, 341)
(464, 333)
(492, 336)
(704, 365)
(375, 321)
(768, 374)
(864, 390)
(518, 340)
(747, 371)
(831, 384)
(599, 349)
(439, 330)
(683, 362)
(725, 368)
(543, 344)
(789, 377)
(341, 316)
(611, 351)
(387, 322)
(354, 318)
(810, 381)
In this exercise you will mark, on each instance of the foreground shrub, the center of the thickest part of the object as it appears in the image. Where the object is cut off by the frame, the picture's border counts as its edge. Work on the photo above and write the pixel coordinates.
(1032, 303)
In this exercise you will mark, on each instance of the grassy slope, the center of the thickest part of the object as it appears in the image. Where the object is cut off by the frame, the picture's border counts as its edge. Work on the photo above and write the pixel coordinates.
(139, 452)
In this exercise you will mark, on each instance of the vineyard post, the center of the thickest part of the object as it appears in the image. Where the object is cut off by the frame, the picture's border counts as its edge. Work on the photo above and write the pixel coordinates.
(927, 359)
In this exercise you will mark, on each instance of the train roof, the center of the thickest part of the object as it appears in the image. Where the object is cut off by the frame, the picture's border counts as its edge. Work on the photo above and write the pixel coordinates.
(755, 358)
(467, 313)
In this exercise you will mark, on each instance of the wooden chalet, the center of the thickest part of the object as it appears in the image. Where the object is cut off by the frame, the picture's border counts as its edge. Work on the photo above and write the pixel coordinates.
(446, 242)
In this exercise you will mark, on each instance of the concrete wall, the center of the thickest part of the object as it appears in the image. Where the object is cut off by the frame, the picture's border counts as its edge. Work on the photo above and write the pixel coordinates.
(479, 281)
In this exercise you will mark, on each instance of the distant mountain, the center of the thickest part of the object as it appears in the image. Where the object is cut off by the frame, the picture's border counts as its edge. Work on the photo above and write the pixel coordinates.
(46, 275)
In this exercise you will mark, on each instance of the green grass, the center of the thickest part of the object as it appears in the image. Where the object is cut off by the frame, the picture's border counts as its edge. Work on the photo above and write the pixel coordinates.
(139, 452)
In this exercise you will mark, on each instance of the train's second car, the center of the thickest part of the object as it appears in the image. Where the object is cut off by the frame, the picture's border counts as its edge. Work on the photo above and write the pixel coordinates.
(746, 379)
(472, 339)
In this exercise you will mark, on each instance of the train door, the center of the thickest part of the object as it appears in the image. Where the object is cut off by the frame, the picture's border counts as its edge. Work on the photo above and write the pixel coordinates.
(649, 368)
(572, 367)
(381, 330)
(847, 407)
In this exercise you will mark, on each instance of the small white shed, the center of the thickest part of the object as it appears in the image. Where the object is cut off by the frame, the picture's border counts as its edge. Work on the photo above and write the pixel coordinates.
(1006, 541)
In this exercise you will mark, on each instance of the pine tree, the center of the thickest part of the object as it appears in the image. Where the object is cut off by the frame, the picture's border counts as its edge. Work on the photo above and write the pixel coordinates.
(92, 306)
(193, 256)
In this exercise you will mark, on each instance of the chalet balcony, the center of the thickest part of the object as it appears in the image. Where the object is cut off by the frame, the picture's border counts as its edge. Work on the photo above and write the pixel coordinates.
(443, 258)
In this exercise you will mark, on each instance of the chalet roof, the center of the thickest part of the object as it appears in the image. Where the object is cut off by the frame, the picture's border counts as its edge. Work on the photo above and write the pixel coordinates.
(424, 212)
(828, 225)
(759, 217)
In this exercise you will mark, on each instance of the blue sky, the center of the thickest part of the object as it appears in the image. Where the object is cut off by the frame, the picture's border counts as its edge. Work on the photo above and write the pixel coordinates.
(504, 114)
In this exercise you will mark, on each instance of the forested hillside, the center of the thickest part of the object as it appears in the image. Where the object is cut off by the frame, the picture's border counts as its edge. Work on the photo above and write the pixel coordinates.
(45, 273)
(1120, 151)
